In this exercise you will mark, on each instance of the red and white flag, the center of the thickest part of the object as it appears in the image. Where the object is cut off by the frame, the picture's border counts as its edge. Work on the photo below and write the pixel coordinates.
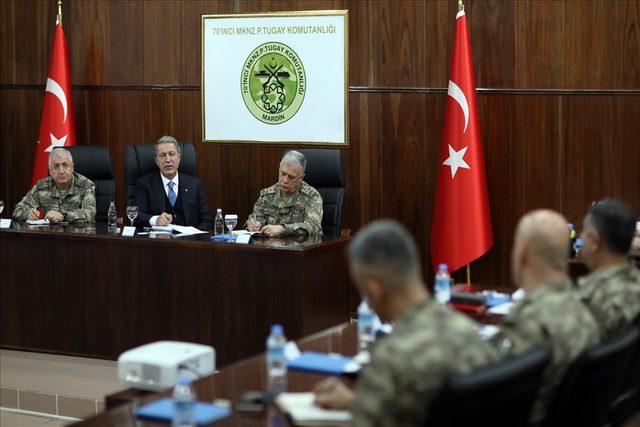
(57, 124)
(461, 231)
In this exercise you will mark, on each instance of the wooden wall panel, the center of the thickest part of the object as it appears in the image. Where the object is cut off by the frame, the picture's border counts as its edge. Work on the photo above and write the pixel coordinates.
(602, 44)
(125, 56)
(398, 58)
(161, 45)
(124, 128)
(136, 71)
(18, 137)
(492, 32)
(540, 33)
(29, 31)
(602, 152)
(88, 43)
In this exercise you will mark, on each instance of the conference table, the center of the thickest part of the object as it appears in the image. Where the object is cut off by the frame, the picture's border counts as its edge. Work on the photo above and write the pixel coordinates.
(84, 290)
(249, 374)
(229, 384)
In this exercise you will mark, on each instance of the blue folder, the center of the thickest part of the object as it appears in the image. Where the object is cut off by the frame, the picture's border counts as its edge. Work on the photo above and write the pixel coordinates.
(322, 363)
(162, 410)
(494, 299)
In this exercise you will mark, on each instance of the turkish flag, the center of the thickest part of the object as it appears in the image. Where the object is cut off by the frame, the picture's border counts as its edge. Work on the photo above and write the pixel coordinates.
(461, 229)
(57, 125)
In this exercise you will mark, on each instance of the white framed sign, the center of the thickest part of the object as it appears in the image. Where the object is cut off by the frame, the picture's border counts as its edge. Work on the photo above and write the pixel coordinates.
(276, 78)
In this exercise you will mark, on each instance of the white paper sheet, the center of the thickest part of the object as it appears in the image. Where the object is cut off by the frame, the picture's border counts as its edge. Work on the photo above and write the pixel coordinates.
(305, 413)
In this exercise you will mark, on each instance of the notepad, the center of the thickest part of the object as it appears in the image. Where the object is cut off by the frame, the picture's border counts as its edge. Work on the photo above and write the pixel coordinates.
(163, 409)
(323, 363)
(304, 412)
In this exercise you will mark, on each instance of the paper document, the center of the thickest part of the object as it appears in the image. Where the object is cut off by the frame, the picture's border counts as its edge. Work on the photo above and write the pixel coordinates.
(502, 309)
(518, 295)
(304, 412)
(5, 223)
(245, 232)
(487, 331)
(45, 222)
(180, 230)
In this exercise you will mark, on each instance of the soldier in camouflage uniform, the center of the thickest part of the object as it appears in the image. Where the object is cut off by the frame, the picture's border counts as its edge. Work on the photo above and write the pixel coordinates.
(63, 196)
(429, 342)
(612, 290)
(290, 207)
(551, 313)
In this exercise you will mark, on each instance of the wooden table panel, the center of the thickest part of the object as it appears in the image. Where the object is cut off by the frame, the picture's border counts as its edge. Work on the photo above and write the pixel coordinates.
(81, 291)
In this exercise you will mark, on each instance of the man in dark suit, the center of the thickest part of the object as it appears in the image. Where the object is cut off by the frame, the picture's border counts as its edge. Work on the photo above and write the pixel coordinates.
(168, 197)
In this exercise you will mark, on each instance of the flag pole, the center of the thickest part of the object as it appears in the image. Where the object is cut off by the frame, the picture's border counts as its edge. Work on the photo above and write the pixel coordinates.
(460, 6)
(60, 11)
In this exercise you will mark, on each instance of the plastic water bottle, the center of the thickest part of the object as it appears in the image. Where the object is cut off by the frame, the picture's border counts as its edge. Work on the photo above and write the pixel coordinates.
(577, 247)
(366, 323)
(218, 225)
(276, 361)
(111, 216)
(443, 284)
(184, 400)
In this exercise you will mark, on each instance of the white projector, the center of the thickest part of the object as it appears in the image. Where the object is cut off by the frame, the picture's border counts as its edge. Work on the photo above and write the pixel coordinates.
(157, 366)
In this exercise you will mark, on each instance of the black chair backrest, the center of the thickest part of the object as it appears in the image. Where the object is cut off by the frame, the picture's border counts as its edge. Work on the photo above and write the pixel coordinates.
(139, 160)
(324, 173)
(94, 162)
(499, 395)
(627, 402)
(590, 386)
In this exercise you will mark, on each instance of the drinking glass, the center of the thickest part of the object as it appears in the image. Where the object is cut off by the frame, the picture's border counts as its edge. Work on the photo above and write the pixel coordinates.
(230, 221)
(132, 213)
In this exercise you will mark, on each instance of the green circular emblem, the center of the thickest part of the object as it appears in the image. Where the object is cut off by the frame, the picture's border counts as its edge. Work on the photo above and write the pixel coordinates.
(273, 83)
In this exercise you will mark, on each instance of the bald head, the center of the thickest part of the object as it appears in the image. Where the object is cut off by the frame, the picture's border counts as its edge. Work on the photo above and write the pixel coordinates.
(546, 235)
(540, 248)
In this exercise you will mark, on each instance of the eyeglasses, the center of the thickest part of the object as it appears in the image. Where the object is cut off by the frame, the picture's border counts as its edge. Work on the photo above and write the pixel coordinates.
(59, 166)
(170, 155)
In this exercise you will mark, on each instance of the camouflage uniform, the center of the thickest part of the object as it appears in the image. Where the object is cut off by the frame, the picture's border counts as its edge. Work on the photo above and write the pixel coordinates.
(301, 214)
(552, 316)
(613, 296)
(76, 203)
(429, 343)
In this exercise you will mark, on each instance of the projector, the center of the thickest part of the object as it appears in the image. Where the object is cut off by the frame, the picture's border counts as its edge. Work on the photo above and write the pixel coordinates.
(157, 366)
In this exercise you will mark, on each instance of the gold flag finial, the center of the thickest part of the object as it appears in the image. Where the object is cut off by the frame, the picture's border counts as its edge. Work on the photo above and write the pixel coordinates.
(59, 10)
(460, 6)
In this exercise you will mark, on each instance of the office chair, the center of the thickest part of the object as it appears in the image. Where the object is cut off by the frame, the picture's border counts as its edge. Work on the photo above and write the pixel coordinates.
(627, 401)
(499, 395)
(94, 162)
(324, 173)
(590, 386)
(139, 160)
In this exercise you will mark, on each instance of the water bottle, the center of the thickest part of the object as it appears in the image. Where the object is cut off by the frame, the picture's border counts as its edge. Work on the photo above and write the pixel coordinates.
(218, 227)
(443, 284)
(572, 237)
(276, 361)
(111, 216)
(366, 321)
(577, 247)
(184, 400)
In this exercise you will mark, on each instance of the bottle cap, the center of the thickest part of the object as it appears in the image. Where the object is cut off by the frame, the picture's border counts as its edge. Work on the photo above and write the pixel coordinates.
(276, 329)
(570, 226)
(443, 267)
(184, 380)
(219, 210)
